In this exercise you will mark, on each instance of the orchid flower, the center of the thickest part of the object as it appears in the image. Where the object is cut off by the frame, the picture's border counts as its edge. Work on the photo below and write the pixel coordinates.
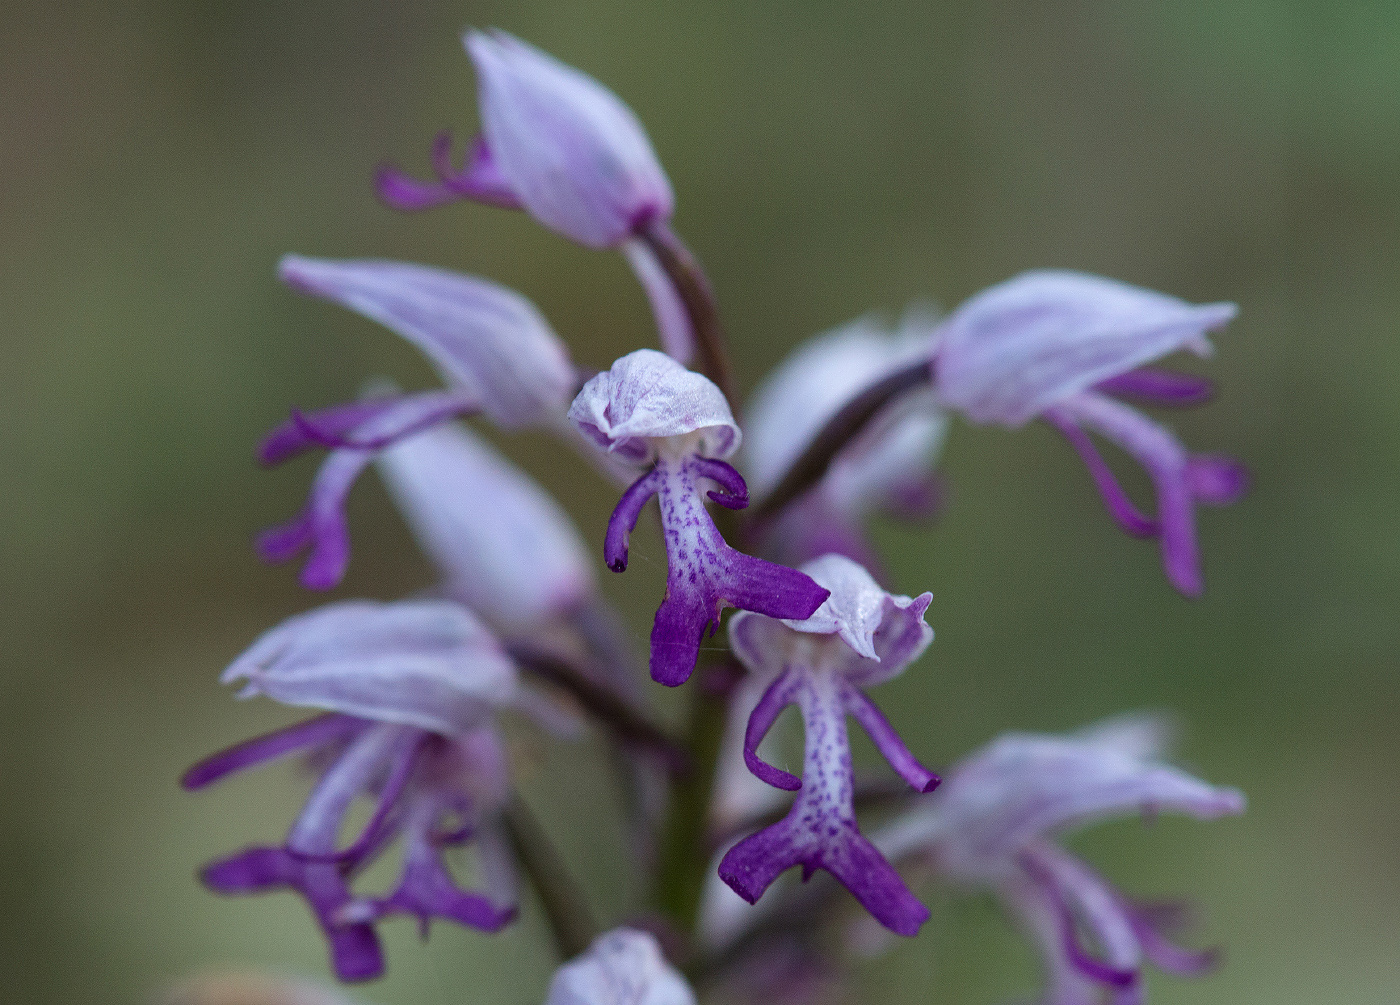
(676, 425)
(568, 151)
(1064, 346)
(993, 825)
(407, 691)
(888, 467)
(495, 352)
(622, 967)
(861, 636)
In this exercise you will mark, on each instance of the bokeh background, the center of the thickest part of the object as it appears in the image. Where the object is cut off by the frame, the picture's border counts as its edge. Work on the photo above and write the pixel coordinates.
(830, 159)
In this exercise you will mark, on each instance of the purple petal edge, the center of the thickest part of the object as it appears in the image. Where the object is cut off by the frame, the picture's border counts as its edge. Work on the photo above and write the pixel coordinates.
(752, 865)
(373, 833)
(478, 180)
(1081, 958)
(1156, 386)
(355, 951)
(322, 524)
(624, 520)
(321, 428)
(1217, 480)
(704, 575)
(1166, 955)
(691, 608)
(775, 698)
(887, 741)
(733, 492)
(278, 743)
(1120, 507)
(427, 892)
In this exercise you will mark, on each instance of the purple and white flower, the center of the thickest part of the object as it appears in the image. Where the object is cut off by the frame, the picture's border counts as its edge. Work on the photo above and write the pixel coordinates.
(561, 146)
(553, 142)
(889, 467)
(495, 352)
(622, 967)
(408, 690)
(1065, 347)
(652, 412)
(993, 825)
(861, 636)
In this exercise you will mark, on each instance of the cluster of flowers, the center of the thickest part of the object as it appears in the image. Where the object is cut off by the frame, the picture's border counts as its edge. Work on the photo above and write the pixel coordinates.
(408, 693)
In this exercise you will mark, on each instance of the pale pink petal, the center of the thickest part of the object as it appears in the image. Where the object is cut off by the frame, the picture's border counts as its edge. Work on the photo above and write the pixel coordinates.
(504, 546)
(1023, 345)
(574, 155)
(480, 336)
(424, 663)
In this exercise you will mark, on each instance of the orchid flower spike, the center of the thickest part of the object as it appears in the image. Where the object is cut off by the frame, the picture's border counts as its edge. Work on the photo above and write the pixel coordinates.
(622, 967)
(888, 468)
(652, 412)
(407, 691)
(993, 825)
(560, 145)
(495, 352)
(859, 637)
(1065, 346)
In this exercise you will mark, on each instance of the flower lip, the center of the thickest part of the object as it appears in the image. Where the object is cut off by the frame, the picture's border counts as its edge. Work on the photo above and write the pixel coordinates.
(435, 791)
(646, 397)
(572, 153)
(424, 663)
(1020, 346)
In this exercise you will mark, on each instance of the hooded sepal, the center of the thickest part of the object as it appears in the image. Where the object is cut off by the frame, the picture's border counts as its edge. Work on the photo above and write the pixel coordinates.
(1019, 347)
(622, 967)
(424, 663)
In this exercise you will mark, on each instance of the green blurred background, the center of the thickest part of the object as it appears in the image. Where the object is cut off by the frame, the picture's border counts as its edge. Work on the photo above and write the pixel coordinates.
(829, 159)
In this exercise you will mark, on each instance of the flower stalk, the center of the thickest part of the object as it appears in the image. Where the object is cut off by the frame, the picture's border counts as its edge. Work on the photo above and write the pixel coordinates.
(625, 723)
(698, 300)
(685, 855)
(566, 910)
(840, 429)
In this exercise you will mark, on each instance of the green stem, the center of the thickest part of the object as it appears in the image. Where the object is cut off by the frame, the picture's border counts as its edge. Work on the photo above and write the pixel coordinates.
(685, 855)
(565, 908)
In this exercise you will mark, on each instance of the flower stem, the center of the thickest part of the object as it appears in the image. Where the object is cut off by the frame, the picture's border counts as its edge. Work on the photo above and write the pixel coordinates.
(685, 852)
(684, 271)
(570, 920)
(839, 430)
(627, 724)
